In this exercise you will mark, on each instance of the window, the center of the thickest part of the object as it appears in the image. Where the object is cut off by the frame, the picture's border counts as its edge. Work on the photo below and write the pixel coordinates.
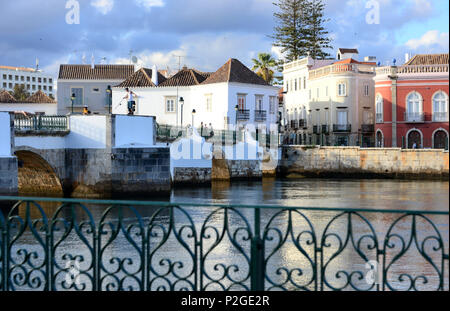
(318, 117)
(208, 102)
(272, 104)
(50, 88)
(50, 80)
(414, 107)
(342, 118)
(45, 87)
(39, 87)
(304, 82)
(367, 117)
(259, 102)
(94, 90)
(4, 77)
(33, 79)
(34, 87)
(10, 86)
(170, 104)
(241, 102)
(342, 89)
(22, 78)
(45, 80)
(28, 87)
(17, 78)
(366, 90)
(295, 85)
(379, 109)
(440, 107)
(39, 80)
(28, 79)
(5, 85)
(10, 77)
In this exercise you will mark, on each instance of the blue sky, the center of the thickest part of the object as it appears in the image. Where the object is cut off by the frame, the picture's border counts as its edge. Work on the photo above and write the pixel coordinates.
(206, 32)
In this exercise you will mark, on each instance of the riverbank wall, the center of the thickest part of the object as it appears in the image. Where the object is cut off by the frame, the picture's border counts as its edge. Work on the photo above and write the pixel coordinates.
(356, 162)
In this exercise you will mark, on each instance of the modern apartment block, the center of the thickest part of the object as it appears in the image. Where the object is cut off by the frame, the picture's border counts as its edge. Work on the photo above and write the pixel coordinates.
(33, 80)
(330, 102)
(412, 103)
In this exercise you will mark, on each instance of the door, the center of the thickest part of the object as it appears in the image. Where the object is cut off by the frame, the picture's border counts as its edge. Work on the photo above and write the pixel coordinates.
(440, 140)
(414, 141)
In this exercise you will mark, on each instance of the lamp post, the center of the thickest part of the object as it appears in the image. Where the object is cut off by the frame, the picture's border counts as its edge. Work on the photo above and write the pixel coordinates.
(193, 115)
(72, 98)
(236, 108)
(182, 104)
(109, 97)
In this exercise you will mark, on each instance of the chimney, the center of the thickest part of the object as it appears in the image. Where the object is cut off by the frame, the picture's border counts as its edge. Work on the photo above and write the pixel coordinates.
(155, 75)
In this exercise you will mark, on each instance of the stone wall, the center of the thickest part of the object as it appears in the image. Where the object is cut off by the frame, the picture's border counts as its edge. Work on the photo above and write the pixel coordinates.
(8, 176)
(192, 175)
(359, 162)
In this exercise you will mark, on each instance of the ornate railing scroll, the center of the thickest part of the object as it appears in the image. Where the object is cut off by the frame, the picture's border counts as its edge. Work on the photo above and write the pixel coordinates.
(93, 245)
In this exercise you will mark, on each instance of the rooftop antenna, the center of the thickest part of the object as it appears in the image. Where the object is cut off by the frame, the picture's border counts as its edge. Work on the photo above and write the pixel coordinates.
(37, 63)
(103, 60)
(131, 55)
(179, 61)
(83, 59)
(92, 61)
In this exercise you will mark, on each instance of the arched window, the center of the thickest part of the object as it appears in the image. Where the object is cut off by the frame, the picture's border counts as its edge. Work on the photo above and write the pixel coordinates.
(440, 107)
(379, 109)
(414, 109)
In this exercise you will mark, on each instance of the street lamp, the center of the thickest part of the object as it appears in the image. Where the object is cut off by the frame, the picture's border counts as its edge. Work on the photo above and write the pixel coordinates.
(237, 109)
(193, 115)
(109, 97)
(182, 104)
(72, 98)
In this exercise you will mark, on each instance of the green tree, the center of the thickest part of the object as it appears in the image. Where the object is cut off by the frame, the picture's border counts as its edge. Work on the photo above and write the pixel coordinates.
(263, 66)
(20, 93)
(300, 29)
(317, 39)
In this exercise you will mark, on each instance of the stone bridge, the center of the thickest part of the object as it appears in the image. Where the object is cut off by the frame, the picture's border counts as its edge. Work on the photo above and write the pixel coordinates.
(95, 156)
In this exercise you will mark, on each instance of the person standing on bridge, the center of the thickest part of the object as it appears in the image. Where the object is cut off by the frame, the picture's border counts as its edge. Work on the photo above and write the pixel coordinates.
(131, 102)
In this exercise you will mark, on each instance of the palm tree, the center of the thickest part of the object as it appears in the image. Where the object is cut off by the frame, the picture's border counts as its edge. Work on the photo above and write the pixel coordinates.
(263, 66)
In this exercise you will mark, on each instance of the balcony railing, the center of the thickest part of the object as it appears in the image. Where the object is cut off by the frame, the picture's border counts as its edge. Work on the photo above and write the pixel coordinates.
(85, 245)
(303, 124)
(260, 115)
(342, 128)
(414, 117)
(367, 128)
(440, 117)
(325, 129)
(316, 129)
(243, 115)
(294, 124)
(23, 123)
(379, 118)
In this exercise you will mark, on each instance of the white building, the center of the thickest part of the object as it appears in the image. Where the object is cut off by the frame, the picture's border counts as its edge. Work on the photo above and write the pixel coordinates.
(233, 95)
(33, 80)
(38, 103)
(329, 102)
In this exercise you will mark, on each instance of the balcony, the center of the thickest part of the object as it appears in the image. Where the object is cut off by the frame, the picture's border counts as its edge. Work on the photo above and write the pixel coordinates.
(379, 118)
(243, 115)
(325, 129)
(367, 128)
(294, 124)
(342, 128)
(316, 129)
(260, 115)
(303, 124)
(414, 117)
(440, 117)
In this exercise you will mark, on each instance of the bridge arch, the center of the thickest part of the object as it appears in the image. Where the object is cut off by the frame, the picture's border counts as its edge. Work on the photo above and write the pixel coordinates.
(36, 176)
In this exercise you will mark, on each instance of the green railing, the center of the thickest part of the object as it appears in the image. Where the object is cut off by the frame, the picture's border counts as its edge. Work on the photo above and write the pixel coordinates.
(69, 244)
(24, 123)
(169, 133)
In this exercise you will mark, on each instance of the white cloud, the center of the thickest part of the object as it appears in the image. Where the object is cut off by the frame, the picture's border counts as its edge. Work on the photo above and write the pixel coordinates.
(150, 3)
(103, 6)
(431, 39)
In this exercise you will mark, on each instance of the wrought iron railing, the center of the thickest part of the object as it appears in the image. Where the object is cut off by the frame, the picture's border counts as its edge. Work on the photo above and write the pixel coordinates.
(40, 123)
(134, 245)
(302, 124)
(440, 116)
(325, 129)
(316, 129)
(379, 118)
(260, 115)
(367, 128)
(344, 128)
(243, 115)
(414, 117)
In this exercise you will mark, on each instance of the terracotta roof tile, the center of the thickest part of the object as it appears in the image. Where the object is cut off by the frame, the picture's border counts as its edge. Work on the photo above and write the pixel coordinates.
(142, 78)
(100, 72)
(40, 98)
(7, 98)
(429, 59)
(186, 77)
(235, 71)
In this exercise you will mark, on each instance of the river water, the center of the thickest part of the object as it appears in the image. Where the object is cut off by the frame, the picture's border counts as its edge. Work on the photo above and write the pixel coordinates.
(290, 255)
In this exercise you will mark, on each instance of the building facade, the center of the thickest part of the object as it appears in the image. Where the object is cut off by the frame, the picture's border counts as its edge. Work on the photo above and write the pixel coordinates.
(329, 102)
(411, 103)
(90, 85)
(232, 96)
(32, 79)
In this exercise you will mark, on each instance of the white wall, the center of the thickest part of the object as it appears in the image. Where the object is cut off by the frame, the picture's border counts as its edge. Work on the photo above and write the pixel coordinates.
(134, 131)
(87, 132)
(5, 134)
(41, 142)
(48, 109)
